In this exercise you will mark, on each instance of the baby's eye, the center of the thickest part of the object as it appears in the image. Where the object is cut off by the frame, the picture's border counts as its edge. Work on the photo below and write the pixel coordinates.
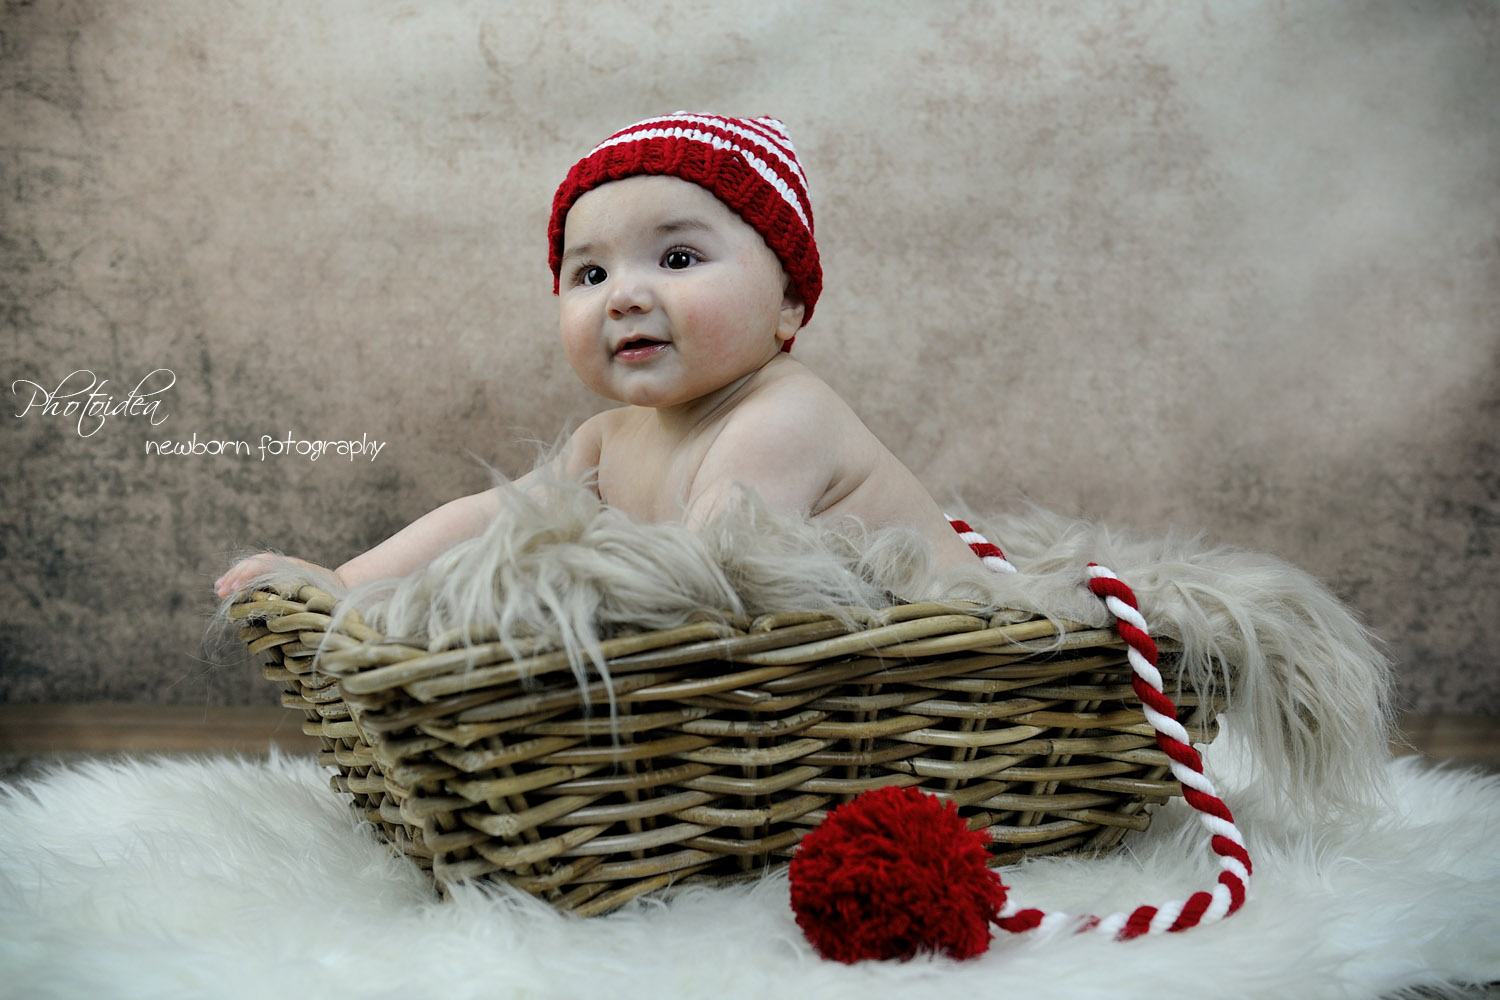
(591, 275)
(679, 258)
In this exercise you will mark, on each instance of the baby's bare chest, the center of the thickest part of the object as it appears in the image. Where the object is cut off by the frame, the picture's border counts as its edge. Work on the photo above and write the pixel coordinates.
(650, 480)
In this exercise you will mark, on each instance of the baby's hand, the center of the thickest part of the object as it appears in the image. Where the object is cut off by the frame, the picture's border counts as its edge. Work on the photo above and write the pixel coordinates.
(265, 562)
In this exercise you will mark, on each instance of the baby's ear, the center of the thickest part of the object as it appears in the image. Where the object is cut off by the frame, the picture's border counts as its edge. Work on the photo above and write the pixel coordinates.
(791, 316)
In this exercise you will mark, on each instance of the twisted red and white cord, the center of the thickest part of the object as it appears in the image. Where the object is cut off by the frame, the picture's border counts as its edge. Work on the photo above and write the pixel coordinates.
(988, 553)
(1228, 893)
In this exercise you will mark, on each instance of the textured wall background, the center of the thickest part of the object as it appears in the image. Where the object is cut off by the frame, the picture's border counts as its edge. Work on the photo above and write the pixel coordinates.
(1231, 268)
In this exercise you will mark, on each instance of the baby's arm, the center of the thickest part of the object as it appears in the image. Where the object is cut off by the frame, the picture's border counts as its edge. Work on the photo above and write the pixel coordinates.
(408, 549)
(417, 544)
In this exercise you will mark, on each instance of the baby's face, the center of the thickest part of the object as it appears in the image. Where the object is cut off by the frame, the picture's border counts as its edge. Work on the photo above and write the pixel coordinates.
(667, 295)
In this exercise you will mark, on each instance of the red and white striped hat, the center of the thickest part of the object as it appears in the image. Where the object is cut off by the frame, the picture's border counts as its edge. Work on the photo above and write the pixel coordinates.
(747, 163)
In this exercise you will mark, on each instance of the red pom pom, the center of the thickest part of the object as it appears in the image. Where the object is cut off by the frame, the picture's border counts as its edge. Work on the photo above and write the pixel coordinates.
(892, 873)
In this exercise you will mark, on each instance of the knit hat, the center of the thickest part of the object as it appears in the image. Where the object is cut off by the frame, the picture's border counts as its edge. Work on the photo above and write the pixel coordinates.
(747, 163)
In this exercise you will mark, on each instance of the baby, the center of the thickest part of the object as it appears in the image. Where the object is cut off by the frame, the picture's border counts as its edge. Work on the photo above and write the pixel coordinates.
(683, 257)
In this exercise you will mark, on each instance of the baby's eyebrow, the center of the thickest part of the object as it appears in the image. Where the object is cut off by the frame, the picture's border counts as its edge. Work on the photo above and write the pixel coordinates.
(685, 224)
(581, 250)
(671, 227)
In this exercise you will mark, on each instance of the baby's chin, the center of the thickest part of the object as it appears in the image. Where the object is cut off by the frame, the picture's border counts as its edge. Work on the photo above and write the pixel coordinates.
(668, 393)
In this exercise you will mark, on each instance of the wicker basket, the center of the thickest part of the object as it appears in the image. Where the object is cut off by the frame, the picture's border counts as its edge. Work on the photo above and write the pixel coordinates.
(727, 742)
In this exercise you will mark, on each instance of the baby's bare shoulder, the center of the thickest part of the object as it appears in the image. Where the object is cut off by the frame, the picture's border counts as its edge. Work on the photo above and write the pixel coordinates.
(795, 425)
(796, 401)
(586, 444)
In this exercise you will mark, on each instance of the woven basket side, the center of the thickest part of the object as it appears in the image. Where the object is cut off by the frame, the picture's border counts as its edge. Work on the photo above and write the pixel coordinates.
(717, 747)
(285, 628)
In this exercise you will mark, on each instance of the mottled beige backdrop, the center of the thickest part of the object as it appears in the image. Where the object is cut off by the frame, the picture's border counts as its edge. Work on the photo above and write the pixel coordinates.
(1230, 268)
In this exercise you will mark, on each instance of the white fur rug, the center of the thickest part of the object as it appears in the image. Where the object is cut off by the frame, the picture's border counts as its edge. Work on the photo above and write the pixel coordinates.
(239, 878)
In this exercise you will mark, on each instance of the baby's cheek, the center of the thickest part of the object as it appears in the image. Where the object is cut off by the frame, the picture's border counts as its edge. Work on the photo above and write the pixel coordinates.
(705, 323)
(584, 362)
(734, 322)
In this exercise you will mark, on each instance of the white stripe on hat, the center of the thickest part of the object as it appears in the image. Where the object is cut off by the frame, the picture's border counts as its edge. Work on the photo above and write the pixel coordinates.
(641, 131)
(778, 142)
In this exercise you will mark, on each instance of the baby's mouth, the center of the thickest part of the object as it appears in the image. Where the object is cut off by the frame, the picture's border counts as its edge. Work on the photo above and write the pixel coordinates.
(640, 349)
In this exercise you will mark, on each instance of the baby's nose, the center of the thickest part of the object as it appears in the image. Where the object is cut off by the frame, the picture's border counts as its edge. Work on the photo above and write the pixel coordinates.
(630, 293)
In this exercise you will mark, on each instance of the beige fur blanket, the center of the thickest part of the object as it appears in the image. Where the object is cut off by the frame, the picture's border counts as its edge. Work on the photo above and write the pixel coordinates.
(1304, 680)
